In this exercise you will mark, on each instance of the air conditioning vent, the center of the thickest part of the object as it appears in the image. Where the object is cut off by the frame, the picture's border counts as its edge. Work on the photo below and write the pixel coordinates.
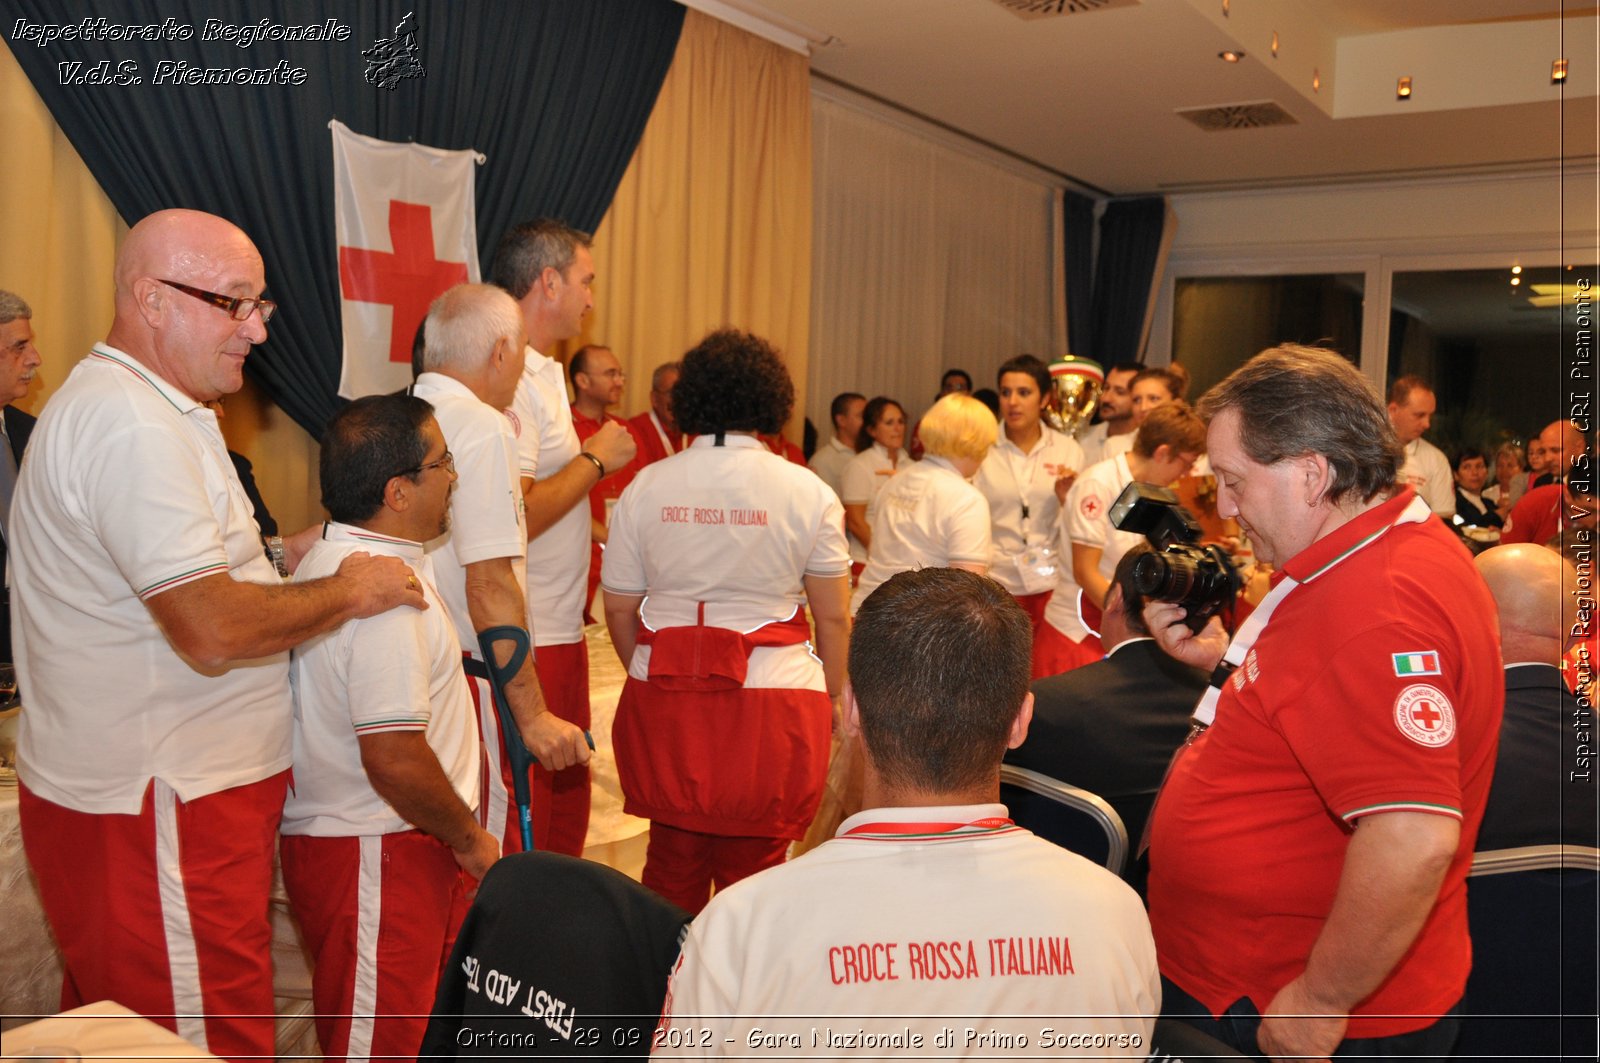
(1032, 9)
(1238, 116)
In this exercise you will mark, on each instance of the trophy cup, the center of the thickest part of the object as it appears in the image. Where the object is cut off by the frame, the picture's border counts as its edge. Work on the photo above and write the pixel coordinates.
(1074, 393)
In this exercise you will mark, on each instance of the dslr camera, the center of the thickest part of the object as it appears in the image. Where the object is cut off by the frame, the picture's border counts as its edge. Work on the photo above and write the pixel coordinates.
(1202, 579)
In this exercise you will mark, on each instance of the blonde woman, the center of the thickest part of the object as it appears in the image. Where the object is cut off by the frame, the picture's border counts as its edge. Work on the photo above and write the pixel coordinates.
(930, 515)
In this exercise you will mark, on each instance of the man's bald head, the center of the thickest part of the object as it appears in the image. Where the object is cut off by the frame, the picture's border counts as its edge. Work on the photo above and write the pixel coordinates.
(170, 242)
(1566, 439)
(186, 338)
(1530, 585)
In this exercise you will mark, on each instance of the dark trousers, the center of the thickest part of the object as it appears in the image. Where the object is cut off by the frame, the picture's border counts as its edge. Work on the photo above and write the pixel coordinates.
(1238, 1025)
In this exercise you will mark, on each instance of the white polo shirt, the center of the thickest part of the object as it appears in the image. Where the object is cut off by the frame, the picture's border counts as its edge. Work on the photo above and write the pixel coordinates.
(128, 492)
(486, 519)
(1428, 470)
(736, 527)
(558, 557)
(397, 671)
(829, 462)
(909, 923)
(1086, 519)
(1012, 481)
(864, 476)
(928, 517)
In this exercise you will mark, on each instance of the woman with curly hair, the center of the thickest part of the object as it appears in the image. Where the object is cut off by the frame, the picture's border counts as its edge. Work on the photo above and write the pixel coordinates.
(722, 731)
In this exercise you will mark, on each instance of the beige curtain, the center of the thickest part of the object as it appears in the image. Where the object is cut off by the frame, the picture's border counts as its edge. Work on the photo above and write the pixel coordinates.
(58, 238)
(928, 256)
(712, 223)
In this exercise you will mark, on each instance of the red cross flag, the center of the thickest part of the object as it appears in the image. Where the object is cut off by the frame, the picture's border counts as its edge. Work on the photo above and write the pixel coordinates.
(407, 228)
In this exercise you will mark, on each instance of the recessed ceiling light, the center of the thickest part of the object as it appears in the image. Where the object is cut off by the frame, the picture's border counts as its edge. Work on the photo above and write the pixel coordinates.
(1402, 89)
(1230, 56)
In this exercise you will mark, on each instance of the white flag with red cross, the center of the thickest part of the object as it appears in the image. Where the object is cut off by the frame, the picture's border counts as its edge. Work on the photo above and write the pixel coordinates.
(406, 226)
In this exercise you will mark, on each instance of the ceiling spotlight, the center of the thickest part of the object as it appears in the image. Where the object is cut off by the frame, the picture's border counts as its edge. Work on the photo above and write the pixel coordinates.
(1515, 281)
(1402, 89)
(1515, 270)
(1558, 71)
(1274, 44)
(1230, 56)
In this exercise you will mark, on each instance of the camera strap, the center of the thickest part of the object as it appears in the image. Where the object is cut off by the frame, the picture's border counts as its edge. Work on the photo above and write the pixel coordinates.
(1205, 711)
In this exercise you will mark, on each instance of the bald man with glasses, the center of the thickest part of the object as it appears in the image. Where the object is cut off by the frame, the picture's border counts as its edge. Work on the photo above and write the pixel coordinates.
(152, 637)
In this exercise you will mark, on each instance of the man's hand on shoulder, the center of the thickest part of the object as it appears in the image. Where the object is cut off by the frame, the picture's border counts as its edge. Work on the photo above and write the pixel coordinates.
(1204, 651)
(380, 583)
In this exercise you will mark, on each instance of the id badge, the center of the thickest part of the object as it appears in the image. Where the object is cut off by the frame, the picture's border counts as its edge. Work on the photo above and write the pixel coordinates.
(1036, 568)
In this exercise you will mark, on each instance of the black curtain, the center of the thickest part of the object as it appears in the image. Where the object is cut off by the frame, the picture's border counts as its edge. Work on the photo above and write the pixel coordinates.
(1130, 246)
(1078, 229)
(555, 92)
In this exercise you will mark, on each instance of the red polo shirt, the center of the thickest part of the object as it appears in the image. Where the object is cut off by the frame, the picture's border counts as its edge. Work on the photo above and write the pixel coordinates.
(1376, 687)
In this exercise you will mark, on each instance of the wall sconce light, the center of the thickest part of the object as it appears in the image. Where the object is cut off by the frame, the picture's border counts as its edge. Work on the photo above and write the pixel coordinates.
(1402, 89)
(1316, 80)
(1224, 8)
(1274, 44)
(1558, 71)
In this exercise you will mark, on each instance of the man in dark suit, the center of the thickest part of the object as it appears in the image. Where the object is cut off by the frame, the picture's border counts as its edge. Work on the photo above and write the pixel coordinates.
(18, 360)
(1111, 727)
(1542, 793)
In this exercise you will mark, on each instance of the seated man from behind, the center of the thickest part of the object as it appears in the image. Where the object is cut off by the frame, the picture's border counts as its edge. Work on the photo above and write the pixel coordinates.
(1537, 797)
(1111, 727)
(380, 823)
(931, 902)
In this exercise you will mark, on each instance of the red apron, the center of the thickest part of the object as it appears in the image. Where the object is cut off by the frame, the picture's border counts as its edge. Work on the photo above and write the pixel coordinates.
(698, 750)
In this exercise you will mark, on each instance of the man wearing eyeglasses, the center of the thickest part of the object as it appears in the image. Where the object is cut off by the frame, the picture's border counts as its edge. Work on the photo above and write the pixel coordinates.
(473, 355)
(152, 640)
(548, 269)
(656, 428)
(597, 379)
(380, 826)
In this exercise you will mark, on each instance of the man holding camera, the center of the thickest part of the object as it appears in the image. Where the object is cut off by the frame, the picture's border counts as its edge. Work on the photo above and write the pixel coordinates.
(1309, 849)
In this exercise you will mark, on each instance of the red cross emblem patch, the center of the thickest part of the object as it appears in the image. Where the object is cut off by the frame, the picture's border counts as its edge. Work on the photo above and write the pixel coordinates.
(1091, 506)
(1425, 715)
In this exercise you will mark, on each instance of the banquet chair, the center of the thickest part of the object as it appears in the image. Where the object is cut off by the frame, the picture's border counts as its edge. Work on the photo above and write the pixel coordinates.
(1074, 819)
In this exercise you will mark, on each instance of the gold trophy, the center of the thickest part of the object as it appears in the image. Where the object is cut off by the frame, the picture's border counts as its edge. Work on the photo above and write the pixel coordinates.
(1074, 393)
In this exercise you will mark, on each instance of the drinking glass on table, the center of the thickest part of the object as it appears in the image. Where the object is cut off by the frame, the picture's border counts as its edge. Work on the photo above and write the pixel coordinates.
(8, 686)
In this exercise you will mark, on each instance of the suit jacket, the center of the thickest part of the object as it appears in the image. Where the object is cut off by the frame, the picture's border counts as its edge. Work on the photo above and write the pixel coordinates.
(1533, 799)
(19, 426)
(1111, 727)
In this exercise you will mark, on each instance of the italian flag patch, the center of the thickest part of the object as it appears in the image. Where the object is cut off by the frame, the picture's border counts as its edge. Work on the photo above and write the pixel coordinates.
(1421, 662)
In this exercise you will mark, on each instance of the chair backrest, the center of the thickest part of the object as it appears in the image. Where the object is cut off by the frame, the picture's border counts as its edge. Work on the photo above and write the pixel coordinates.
(557, 956)
(1074, 819)
(1532, 990)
